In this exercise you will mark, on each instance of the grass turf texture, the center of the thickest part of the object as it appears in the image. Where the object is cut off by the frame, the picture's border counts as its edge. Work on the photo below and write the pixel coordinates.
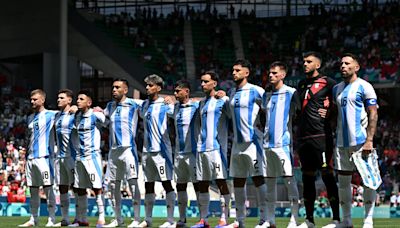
(250, 222)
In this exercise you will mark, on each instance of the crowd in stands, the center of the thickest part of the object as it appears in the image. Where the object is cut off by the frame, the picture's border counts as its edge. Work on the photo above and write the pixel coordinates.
(372, 31)
(140, 28)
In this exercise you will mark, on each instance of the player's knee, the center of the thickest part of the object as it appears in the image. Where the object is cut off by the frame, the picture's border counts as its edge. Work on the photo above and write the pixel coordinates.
(258, 181)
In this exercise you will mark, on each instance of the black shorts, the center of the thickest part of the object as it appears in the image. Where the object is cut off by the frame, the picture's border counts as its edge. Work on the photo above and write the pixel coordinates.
(315, 153)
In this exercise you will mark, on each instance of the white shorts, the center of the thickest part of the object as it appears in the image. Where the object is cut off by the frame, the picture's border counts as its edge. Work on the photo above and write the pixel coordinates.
(279, 161)
(342, 158)
(185, 168)
(156, 167)
(89, 172)
(64, 171)
(247, 159)
(39, 172)
(122, 163)
(210, 166)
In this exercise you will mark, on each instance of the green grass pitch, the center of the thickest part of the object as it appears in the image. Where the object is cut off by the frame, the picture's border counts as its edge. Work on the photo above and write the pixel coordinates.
(250, 222)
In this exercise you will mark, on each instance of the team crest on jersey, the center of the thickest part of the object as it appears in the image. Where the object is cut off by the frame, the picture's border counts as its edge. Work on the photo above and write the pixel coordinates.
(316, 85)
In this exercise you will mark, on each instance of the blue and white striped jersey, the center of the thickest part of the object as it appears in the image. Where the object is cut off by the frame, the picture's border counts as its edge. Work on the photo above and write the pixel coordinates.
(352, 121)
(214, 124)
(64, 125)
(41, 134)
(245, 103)
(156, 135)
(123, 118)
(279, 106)
(187, 121)
(87, 136)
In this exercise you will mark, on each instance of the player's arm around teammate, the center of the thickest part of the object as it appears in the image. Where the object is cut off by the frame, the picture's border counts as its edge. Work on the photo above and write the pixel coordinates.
(157, 152)
(211, 159)
(247, 157)
(88, 165)
(280, 106)
(39, 165)
(123, 162)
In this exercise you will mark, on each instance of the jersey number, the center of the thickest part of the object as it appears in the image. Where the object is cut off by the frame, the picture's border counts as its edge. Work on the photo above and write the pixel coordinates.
(255, 164)
(46, 175)
(218, 167)
(92, 177)
(162, 170)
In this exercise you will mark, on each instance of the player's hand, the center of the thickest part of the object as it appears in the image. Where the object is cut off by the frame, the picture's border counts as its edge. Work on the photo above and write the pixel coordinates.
(367, 148)
(97, 109)
(168, 100)
(220, 94)
(323, 112)
(73, 109)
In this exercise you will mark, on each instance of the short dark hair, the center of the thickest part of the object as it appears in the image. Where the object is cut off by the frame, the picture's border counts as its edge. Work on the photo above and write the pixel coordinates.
(214, 75)
(122, 80)
(244, 63)
(313, 53)
(182, 84)
(85, 92)
(67, 92)
(351, 55)
(279, 64)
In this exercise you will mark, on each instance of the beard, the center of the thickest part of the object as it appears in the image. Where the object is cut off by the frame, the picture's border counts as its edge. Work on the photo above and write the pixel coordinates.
(239, 81)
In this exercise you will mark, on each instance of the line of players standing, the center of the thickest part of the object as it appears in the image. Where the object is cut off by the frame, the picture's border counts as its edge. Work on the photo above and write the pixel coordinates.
(201, 128)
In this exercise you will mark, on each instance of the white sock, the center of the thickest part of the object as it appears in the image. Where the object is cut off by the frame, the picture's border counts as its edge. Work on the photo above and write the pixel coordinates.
(293, 195)
(149, 200)
(100, 206)
(204, 203)
(35, 202)
(83, 206)
(225, 200)
(115, 190)
(134, 187)
(77, 209)
(240, 197)
(51, 202)
(345, 197)
(170, 201)
(271, 199)
(182, 204)
(369, 196)
(198, 199)
(64, 204)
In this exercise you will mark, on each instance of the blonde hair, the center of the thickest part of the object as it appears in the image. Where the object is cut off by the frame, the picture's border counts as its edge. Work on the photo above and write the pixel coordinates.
(40, 92)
